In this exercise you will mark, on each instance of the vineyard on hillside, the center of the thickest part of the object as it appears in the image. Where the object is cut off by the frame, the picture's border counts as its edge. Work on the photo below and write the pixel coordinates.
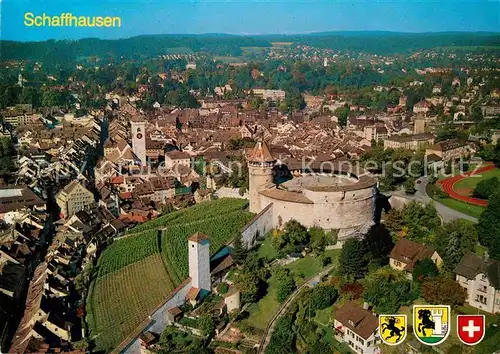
(127, 251)
(136, 273)
(220, 230)
(118, 302)
(194, 213)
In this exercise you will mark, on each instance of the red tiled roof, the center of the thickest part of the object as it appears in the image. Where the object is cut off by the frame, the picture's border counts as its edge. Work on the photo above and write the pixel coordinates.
(198, 237)
(261, 153)
(193, 294)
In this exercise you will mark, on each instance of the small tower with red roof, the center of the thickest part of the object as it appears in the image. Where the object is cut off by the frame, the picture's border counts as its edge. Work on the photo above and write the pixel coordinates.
(260, 173)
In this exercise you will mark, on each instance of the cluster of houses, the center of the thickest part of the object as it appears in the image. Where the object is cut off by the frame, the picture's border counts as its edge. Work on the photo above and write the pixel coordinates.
(54, 307)
(358, 326)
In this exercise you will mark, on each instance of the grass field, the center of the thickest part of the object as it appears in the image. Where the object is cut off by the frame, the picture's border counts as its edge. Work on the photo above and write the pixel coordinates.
(136, 273)
(472, 210)
(468, 209)
(266, 250)
(120, 301)
(471, 182)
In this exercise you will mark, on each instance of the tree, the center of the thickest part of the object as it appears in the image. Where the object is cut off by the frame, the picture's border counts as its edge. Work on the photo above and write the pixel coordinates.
(409, 186)
(323, 296)
(293, 236)
(247, 284)
(325, 260)
(378, 244)
(296, 233)
(283, 338)
(442, 290)
(423, 269)
(342, 114)
(417, 219)
(486, 188)
(7, 156)
(285, 284)
(489, 228)
(353, 260)
(453, 240)
(239, 252)
(206, 325)
(222, 288)
(387, 289)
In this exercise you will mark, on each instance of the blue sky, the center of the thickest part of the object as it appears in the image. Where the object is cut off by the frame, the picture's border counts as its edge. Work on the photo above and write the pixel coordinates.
(252, 16)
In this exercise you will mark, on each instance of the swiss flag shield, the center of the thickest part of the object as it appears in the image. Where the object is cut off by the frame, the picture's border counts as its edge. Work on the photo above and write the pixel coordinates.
(471, 328)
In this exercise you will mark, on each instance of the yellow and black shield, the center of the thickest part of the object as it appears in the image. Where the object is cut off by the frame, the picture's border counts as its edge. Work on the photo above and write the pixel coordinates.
(431, 323)
(392, 328)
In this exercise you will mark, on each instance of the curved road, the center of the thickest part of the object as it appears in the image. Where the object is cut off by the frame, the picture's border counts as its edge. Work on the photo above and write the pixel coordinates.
(448, 214)
(282, 309)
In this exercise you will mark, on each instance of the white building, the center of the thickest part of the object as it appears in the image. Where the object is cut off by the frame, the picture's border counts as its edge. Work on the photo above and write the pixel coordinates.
(358, 328)
(480, 278)
(139, 138)
(199, 262)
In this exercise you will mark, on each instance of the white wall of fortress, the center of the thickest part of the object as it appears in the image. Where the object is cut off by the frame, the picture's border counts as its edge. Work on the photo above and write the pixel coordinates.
(331, 210)
(258, 226)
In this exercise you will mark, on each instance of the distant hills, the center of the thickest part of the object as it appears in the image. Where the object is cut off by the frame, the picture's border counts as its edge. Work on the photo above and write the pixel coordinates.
(230, 45)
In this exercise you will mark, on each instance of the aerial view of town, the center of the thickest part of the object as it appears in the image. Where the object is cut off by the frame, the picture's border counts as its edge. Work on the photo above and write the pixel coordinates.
(224, 177)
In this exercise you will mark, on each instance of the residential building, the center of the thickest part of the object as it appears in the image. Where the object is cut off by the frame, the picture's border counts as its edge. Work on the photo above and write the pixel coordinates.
(358, 328)
(449, 149)
(480, 277)
(490, 110)
(272, 95)
(17, 201)
(422, 107)
(410, 142)
(406, 253)
(377, 133)
(177, 157)
(73, 198)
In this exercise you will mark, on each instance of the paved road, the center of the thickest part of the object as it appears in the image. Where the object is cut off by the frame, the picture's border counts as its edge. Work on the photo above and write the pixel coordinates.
(448, 214)
(282, 309)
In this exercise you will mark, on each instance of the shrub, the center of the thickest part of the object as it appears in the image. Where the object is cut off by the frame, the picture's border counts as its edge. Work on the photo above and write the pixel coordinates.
(323, 296)
(222, 288)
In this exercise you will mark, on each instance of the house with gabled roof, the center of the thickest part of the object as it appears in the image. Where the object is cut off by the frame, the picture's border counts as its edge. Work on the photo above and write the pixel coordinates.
(358, 328)
(406, 253)
(481, 278)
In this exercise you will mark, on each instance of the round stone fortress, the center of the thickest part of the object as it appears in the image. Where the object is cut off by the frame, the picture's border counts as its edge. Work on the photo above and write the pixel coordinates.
(331, 195)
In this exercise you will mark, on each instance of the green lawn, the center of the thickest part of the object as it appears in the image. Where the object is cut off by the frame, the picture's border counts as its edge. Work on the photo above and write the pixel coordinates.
(480, 250)
(306, 267)
(472, 181)
(472, 210)
(324, 316)
(262, 311)
(266, 250)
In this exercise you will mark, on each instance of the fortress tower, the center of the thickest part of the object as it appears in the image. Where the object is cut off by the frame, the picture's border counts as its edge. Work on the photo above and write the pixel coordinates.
(260, 173)
(139, 138)
(199, 261)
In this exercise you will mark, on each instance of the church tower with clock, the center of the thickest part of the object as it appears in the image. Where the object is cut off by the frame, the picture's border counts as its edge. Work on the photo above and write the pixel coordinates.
(139, 138)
